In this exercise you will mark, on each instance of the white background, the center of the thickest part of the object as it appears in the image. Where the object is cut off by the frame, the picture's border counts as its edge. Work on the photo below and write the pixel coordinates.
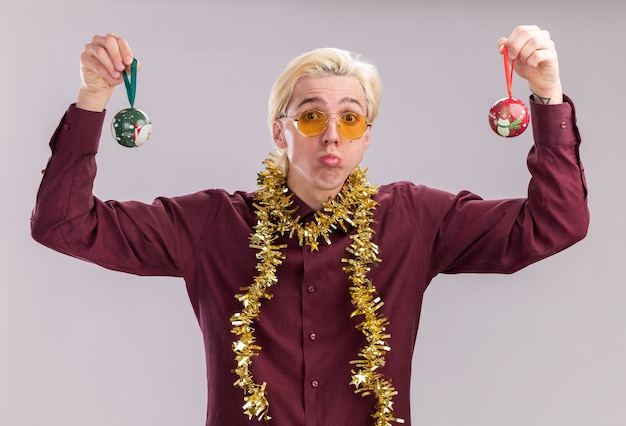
(80, 345)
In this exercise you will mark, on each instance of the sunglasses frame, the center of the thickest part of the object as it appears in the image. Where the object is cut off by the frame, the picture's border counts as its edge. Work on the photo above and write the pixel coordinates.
(296, 118)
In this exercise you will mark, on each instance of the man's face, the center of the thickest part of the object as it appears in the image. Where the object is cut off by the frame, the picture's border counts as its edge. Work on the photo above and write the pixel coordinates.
(319, 165)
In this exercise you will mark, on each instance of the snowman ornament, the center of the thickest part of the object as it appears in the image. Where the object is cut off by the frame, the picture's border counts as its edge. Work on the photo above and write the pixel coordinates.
(131, 127)
(509, 116)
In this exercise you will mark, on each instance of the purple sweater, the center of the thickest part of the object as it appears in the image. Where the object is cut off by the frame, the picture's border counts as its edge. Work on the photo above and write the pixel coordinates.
(306, 332)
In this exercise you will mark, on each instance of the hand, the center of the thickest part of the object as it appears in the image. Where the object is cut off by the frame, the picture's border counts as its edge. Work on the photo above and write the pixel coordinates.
(102, 63)
(536, 61)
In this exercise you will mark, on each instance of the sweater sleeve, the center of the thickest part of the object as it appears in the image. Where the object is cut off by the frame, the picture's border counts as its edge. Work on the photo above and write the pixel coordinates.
(504, 236)
(134, 237)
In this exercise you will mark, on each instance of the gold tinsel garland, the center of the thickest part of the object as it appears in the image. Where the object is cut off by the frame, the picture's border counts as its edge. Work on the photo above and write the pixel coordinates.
(354, 206)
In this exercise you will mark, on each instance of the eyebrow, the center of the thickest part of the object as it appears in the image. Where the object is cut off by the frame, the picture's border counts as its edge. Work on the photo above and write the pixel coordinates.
(317, 99)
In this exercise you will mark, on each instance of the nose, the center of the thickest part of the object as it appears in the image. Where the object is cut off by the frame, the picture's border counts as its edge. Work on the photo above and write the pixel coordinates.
(331, 132)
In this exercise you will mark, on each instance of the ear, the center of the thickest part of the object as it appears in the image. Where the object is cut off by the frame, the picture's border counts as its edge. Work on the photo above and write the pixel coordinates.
(367, 138)
(278, 135)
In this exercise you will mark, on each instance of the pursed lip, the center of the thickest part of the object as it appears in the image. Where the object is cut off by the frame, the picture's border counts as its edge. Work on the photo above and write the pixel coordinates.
(329, 160)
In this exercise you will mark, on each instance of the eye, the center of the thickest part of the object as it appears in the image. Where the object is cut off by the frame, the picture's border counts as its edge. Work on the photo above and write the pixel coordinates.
(351, 118)
(311, 115)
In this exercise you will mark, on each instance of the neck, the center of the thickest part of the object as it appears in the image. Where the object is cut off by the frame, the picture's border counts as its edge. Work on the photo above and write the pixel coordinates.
(312, 198)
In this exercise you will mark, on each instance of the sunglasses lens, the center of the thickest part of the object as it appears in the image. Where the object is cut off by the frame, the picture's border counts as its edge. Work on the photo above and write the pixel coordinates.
(352, 125)
(311, 123)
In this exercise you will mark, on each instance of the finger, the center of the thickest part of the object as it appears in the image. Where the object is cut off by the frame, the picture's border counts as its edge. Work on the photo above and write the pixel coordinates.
(519, 37)
(538, 46)
(107, 55)
(541, 57)
(501, 43)
(102, 54)
(116, 48)
(95, 58)
(125, 59)
(126, 53)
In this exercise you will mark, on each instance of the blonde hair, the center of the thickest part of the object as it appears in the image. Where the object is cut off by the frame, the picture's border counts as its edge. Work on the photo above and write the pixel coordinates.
(324, 62)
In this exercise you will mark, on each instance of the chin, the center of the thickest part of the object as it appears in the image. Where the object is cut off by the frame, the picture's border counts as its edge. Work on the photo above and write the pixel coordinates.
(332, 180)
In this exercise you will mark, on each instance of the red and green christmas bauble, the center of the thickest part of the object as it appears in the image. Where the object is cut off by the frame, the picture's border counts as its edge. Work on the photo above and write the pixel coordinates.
(131, 127)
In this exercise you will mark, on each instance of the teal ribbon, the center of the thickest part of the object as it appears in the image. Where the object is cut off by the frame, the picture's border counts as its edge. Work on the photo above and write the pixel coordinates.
(131, 86)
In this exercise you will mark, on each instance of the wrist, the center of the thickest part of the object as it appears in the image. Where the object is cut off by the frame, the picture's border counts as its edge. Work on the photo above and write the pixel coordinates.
(93, 101)
(551, 96)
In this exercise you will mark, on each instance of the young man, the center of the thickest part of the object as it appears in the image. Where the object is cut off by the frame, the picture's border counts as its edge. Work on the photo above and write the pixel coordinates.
(308, 291)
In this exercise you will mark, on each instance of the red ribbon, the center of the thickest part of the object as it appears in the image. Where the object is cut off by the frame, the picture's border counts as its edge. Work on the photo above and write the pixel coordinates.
(508, 73)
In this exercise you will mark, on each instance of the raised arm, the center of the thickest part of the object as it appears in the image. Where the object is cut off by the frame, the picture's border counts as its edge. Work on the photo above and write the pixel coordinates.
(141, 238)
(505, 235)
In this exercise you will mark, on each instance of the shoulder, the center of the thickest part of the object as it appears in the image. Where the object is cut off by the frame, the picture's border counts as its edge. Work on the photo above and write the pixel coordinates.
(211, 202)
(399, 201)
(405, 192)
(420, 201)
